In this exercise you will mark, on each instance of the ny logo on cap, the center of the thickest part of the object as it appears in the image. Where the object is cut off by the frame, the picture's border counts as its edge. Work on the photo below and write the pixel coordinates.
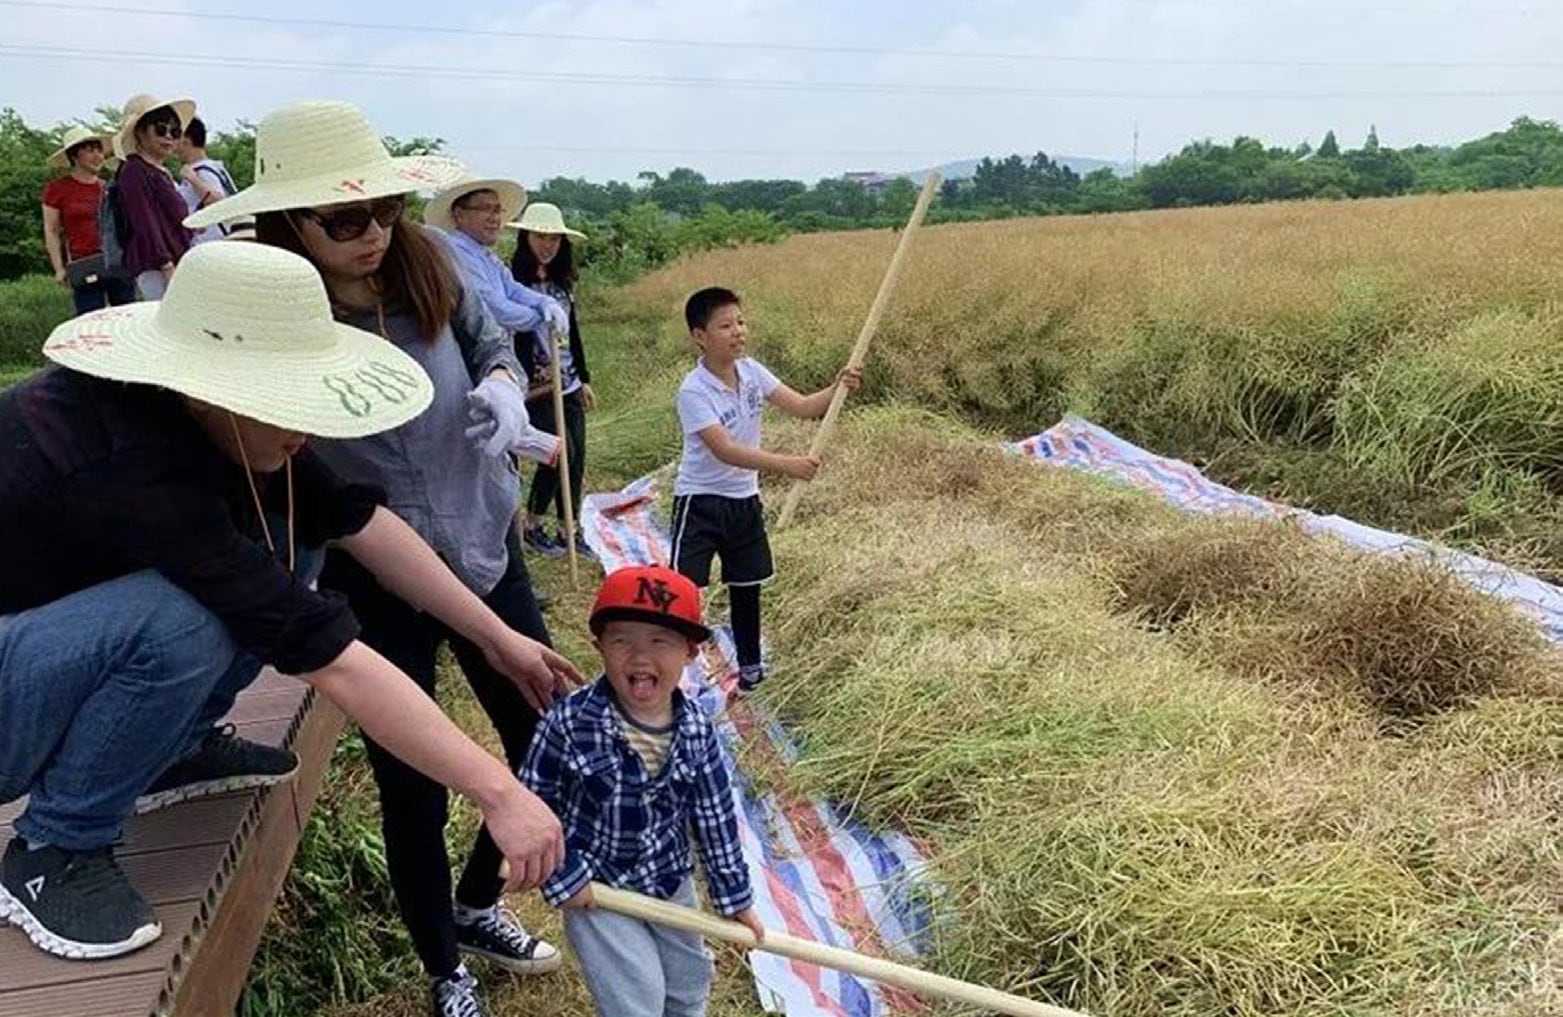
(656, 593)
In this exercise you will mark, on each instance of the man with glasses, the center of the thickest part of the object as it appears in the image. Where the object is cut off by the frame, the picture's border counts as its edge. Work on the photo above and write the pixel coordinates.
(472, 215)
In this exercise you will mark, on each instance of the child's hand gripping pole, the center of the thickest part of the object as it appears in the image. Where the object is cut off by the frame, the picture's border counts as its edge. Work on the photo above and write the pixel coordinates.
(860, 348)
(566, 495)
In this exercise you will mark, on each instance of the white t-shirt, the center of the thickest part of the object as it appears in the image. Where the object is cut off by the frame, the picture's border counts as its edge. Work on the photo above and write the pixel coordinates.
(214, 174)
(703, 400)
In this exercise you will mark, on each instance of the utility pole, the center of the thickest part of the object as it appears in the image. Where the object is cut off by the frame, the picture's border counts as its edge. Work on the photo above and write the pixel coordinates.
(1134, 161)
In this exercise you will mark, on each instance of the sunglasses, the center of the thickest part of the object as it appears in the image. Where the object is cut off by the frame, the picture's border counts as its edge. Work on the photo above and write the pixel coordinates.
(167, 129)
(352, 223)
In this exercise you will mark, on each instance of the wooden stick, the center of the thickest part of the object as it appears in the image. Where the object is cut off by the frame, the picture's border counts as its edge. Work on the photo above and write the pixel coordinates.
(864, 337)
(924, 983)
(567, 497)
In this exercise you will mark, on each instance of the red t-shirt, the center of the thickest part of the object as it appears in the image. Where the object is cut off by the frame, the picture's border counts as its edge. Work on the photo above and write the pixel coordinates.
(77, 204)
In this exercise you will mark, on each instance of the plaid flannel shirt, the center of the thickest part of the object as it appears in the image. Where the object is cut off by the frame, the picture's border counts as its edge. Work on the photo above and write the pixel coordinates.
(623, 827)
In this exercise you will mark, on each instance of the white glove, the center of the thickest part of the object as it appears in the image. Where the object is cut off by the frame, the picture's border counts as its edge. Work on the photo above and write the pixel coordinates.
(555, 317)
(497, 409)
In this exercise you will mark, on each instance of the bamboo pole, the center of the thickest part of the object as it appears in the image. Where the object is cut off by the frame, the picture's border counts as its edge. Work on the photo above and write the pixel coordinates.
(923, 983)
(566, 495)
(864, 337)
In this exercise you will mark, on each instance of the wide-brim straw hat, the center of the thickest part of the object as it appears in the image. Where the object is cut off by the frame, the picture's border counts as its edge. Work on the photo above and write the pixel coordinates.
(138, 106)
(511, 197)
(248, 327)
(542, 217)
(76, 136)
(316, 153)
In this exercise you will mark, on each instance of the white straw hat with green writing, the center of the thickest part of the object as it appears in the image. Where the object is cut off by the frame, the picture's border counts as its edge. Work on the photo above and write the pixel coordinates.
(511, 197)
(314, 153)
(248, 327)
(78, 136)
(542, 217)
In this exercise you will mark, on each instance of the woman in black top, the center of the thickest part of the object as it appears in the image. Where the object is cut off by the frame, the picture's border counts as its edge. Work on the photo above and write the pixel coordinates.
(545, 261)
(159, 515)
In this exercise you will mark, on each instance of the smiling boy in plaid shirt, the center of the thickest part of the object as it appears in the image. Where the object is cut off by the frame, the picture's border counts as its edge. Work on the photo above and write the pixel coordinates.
(629, 766)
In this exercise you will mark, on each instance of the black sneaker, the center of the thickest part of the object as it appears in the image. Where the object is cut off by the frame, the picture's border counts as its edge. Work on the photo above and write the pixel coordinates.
(536, 538)
(457, 996)
(498, 938)
(749, 679)
(74, 904)
(224, 762)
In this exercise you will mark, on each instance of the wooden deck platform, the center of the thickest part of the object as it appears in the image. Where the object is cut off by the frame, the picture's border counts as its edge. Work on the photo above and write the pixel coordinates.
(211, 869)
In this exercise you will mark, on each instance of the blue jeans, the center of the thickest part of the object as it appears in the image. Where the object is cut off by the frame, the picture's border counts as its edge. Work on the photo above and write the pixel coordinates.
(111, 291)
(636, 969)
(101, 691)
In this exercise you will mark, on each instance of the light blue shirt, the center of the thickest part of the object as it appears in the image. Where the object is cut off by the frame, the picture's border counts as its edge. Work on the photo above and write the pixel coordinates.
(515, 307)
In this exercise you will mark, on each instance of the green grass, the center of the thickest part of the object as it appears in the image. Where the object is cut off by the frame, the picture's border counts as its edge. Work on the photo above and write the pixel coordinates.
(30, 307)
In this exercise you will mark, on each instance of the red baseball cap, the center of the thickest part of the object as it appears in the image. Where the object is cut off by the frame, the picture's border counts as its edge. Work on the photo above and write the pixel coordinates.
(654, 594)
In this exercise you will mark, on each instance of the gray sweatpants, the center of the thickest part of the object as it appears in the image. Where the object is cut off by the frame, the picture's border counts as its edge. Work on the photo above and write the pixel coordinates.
(637, 969)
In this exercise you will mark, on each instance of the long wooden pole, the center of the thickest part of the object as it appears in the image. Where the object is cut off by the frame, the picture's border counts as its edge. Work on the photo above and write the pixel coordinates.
(864, 337)
(924, 983)
(566, 496)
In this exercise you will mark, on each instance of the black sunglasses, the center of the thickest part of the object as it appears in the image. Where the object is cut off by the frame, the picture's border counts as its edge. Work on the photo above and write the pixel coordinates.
(164, 123)
(352, 223)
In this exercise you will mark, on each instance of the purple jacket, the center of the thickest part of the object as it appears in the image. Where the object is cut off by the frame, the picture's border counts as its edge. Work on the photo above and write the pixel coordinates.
(154, 211)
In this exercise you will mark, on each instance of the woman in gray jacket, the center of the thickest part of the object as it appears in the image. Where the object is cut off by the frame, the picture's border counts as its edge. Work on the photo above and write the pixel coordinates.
(450, 473)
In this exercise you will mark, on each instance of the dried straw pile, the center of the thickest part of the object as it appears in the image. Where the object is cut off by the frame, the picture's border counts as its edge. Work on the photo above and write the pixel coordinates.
(1173, 766)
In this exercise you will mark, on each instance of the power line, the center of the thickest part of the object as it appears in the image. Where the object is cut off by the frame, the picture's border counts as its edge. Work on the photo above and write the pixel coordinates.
(838, 49)
(757, 84)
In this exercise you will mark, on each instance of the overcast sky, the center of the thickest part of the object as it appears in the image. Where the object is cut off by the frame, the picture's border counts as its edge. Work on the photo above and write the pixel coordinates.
(533, 90)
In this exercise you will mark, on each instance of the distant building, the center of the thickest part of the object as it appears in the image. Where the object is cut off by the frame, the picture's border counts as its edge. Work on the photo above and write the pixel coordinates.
(871, 181)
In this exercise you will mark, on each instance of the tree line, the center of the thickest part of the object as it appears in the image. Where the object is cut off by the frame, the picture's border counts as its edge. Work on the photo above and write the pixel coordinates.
(639, 225)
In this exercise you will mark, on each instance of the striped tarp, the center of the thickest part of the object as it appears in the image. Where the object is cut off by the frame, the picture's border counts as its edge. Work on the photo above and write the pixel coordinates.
(1081, 445)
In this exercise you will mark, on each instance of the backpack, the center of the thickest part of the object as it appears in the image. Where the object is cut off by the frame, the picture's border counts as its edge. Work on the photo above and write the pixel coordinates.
(224, 181)
(113, 230)
(229, 188)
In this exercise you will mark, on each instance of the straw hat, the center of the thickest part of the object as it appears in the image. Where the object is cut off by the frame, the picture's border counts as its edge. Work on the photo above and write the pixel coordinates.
(248, 327)
(138, 106)
(511, 197)
(75, 136)
(323, 153)
(541, 217)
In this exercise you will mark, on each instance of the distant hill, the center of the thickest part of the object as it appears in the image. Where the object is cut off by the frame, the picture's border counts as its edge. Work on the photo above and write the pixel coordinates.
(965, 169)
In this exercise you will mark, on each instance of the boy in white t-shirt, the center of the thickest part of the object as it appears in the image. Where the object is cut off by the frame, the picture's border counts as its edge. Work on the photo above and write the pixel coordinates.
(716, 499)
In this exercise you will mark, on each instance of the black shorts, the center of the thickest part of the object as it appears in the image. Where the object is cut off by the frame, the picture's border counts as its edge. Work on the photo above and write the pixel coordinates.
(709, 525)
